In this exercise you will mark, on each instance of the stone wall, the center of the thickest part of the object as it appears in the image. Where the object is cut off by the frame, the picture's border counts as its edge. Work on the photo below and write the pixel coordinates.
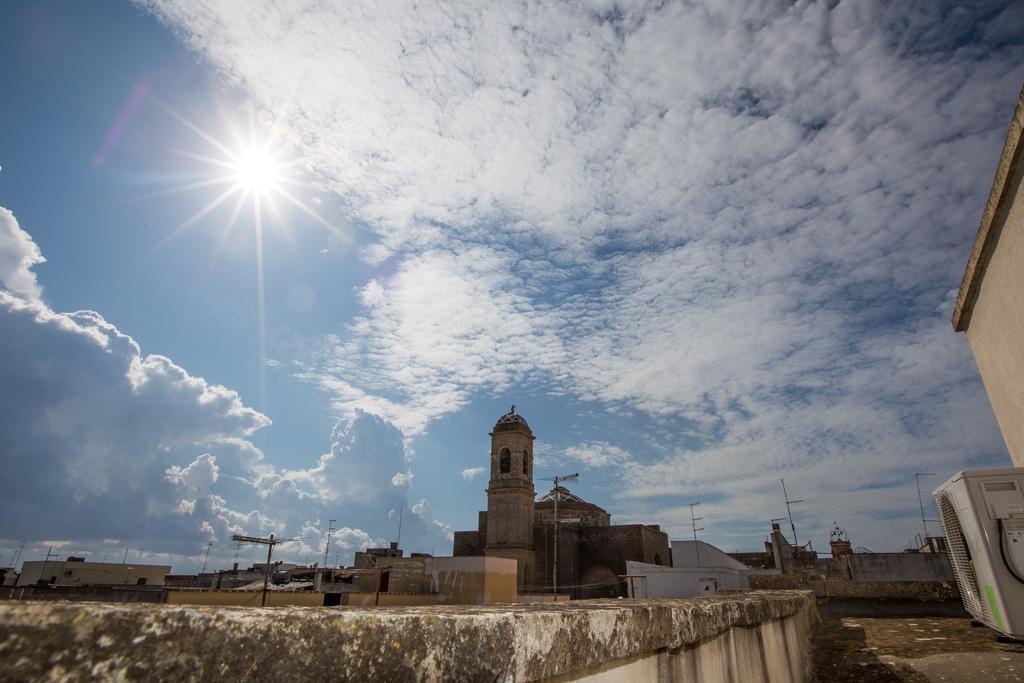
(568, 556)
(612, 546)
(468, 543)
(756, 636)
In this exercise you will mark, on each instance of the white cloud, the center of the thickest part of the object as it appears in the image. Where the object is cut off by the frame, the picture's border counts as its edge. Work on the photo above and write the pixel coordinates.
(741, 216)
(426, 514)
(471, 473)
(199, 475)
(598, 454)
(108, 443)
(18, 253)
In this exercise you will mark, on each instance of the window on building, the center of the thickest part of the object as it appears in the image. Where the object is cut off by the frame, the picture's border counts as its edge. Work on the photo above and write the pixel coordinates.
(505, 461)
(657, 558)
(526, 462)
(141, 581)
(67, 572)
(53, 579)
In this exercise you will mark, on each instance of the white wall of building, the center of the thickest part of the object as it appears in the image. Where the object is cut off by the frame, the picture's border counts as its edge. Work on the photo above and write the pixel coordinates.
(64, 573)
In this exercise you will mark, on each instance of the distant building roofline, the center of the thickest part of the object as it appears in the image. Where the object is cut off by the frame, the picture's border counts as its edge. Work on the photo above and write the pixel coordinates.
(992, 219)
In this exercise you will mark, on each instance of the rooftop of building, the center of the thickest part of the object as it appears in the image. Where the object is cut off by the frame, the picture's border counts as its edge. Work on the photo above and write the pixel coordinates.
(913, 650)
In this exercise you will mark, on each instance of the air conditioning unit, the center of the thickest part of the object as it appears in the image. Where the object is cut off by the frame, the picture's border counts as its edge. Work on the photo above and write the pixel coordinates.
(982, 513)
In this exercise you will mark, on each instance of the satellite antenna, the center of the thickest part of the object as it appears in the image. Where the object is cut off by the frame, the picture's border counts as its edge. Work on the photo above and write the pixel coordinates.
(557, 480)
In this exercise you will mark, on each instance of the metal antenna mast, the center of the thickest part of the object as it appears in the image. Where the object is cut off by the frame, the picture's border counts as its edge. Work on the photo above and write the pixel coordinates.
(796, 541)
(693, 523)
(208, 546)
(17, 557)
(270, 542)
(920, 501)
(327, 549)
(558, 480)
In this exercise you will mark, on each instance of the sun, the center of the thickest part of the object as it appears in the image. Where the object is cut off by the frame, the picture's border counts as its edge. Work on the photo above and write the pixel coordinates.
(256, 170)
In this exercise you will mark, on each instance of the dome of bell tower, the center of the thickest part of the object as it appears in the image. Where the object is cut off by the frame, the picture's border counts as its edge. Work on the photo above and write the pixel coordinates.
(512, 421)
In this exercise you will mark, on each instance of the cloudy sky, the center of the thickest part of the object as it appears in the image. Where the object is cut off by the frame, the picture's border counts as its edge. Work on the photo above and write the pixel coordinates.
(268, 265)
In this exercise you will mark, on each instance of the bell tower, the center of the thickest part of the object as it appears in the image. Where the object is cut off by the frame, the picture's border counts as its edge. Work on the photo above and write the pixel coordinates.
(510, 495)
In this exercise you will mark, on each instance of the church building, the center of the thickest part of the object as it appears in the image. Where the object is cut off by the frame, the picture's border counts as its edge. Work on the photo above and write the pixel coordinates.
(592, 552)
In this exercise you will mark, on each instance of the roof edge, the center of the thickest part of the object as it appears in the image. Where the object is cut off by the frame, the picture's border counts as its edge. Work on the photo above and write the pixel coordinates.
(988, 231)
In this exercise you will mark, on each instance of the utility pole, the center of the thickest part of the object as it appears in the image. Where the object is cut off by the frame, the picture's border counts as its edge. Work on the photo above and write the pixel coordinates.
(796, 542)
(558, 480)
(125, 560)
(208, 546)
(693, 523)
(327, 548)
(920, 501)
(401, 512)
(270, 543)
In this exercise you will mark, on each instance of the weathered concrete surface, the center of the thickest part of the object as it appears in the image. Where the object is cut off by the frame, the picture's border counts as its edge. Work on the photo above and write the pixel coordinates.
(87, 641)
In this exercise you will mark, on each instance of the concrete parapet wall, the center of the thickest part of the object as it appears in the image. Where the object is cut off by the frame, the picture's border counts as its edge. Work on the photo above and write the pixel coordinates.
(360, 599)
(85, 593)
(901, 567)
(246, 598)
(746, 637)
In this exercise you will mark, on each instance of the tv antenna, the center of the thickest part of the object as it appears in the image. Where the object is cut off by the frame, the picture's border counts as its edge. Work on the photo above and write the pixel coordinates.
(789, 511)
(207, 559)
(270, 542)
(557, 480)
(920, 501)
(693, 523)
(327, 548)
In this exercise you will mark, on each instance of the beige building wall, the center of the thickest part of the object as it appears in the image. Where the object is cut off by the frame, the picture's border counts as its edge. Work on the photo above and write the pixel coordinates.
(990, 305)
(472, 580)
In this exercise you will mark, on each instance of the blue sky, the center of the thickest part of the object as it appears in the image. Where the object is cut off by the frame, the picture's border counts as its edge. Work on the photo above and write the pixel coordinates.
(700, 247)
